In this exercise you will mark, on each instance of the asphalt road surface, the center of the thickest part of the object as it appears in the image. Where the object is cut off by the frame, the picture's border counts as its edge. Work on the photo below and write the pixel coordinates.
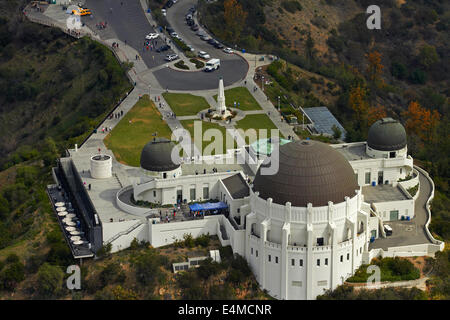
(232, 67)
(127, 22)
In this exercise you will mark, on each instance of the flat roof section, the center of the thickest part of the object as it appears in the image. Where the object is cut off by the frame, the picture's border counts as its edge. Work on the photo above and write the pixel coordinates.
(324, 120)
(382, 193)
(237, 186)
(353, 152)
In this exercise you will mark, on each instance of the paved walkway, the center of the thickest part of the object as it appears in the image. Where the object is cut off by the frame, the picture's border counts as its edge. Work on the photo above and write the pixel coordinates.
(409, 232)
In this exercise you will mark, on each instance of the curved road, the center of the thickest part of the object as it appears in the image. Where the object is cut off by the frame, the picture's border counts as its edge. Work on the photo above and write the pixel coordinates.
(128, 23)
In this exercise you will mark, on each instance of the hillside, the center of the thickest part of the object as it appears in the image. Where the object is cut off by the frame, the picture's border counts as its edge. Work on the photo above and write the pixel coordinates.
(50, 84)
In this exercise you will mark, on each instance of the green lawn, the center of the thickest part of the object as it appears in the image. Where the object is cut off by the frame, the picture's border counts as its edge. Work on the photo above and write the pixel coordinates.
(127, 139)
(189, 125)
(241, 95)
(257, 121)
(184, 104)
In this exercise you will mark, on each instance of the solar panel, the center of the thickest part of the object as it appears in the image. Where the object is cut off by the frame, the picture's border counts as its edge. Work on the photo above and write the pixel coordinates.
(324, 120)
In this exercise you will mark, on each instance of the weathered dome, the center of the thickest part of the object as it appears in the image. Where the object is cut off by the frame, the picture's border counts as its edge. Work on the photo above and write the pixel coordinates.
(386, 134)
(157, 156)
(309, 172)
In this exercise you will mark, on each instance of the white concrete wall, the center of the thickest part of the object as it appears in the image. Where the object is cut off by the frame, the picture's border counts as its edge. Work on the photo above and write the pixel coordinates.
(404, 207)
(162, 234)
(123, 242)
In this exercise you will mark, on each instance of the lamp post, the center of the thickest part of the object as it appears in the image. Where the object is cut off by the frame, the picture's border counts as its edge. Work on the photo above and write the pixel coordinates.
(278, 103)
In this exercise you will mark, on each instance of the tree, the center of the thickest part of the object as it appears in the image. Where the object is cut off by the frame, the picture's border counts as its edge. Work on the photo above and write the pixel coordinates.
(121, 293)
(374, 67)
(235, 17)
(421, 121)
(12, 275)
(50, 280)
(428, 56)
(375, 113)
(336, 131)
(357, 101)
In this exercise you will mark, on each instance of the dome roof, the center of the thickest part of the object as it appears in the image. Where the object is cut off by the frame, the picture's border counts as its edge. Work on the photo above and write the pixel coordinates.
(309, 172)
(387, 134)
(157, 156)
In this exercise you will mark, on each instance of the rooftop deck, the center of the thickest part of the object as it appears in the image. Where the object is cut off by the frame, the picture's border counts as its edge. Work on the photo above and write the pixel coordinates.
(352, 152)
(383, 193)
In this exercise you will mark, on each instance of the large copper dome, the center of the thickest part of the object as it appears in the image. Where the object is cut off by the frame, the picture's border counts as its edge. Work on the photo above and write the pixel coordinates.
(309, 172)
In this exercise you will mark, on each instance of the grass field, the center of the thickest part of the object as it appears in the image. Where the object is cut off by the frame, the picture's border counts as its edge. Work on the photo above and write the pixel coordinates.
(241, 95)
(189, 125)
(184, 104)
(257, 121)
(127, 139)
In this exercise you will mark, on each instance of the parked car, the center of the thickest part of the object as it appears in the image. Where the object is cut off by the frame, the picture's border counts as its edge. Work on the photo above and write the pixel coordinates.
(151, 36)
(205, 37)
(388, 230)
(204, 55)
(218, 45)
(190, 22)
(200, 33)
(190, 47)
(168, 4)
(194, 27)
(211, 41)
(189, 16)
(228, 50)
(170, 29)
(163, 48)
(171, 57)
(164, 12)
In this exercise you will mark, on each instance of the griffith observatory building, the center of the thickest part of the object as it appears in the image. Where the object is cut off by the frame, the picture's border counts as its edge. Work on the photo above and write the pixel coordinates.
(303, 230)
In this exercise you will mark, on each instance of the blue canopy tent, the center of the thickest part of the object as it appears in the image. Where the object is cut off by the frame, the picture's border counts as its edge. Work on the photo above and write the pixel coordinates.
(214, 207)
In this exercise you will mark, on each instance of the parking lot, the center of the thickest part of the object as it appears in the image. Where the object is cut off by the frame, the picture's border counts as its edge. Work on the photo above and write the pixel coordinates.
(128, 23)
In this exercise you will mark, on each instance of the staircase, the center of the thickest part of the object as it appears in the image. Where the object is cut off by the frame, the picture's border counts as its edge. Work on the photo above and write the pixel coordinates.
(130, 229)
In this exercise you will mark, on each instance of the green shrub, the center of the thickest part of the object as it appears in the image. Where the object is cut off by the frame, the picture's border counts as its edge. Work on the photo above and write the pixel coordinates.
(180, 64)
(291, 6)
(12, 275)
(202, 240)
(198, 64)
(49, 281)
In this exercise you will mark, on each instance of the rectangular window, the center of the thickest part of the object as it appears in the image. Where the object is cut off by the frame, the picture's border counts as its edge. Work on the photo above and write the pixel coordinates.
(192, 194)
(154, 194)
(342, 258)
(276, 259)
(296, 283)
(318, 262)
(326, 261)
(257, 253)
(348, 256)
(301, 262)
(205, 192)
(293, 262)
(360, 250)
(270, 258)
(251, 250)
(322, 283)
(320, 241)
(400, 170)
(367, 178)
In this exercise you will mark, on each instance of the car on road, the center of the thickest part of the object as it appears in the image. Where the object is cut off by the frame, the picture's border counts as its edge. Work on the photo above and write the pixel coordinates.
(82, 12)
(204, 55)
(151, 36)
(205, 37)
(228, 50)
(164, 12)
(388, 230)
(190, 47)
(163, 48)
(195, 27)
(218, 45)
(170, 29)
(175, 35)
(200, 33)
(168, 4)
(212, 65)
(171, 57)
(190, 22)
(211, 41)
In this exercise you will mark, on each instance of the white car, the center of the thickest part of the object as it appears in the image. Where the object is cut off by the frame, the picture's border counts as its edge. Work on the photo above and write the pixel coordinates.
(171, 57)
(151, 36)
(164, 12)
(204, 55)
(175, 35)
(190, 47)
(228, 50)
